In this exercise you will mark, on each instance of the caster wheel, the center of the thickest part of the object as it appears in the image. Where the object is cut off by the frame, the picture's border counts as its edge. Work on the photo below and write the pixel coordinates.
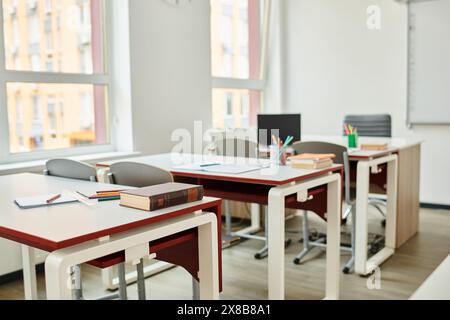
(288, 243)
(297, 261)
(383, 223)
(300, 241)
(345, 221)
(259, 256)
(346, 270)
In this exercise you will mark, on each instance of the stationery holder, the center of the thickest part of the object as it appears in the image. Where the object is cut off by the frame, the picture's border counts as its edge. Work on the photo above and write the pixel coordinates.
(353, 140)
(278, 156)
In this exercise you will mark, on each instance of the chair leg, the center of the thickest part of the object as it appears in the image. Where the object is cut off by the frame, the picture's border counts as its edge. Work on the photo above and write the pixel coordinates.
(306, 246)
(261, 254)
(264, 252)
(78, 283)
(349, 266)
(195, 289)
(122, 282)
(141, 280)
(228, 228)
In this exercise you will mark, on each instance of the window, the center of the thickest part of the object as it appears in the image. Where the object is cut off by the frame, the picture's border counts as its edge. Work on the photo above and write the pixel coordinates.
(238, 33)
(55, 80)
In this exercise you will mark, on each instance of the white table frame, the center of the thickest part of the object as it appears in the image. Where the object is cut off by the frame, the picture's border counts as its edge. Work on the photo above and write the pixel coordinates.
(276, 233)
(363, 266)
(135, 244)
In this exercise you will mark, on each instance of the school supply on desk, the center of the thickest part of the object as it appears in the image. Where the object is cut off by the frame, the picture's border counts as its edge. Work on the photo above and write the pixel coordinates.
(312, 161)
(279, 150)
(161, 196)
(220, 168)
(352, 135)
(375, 146)
(44, 201)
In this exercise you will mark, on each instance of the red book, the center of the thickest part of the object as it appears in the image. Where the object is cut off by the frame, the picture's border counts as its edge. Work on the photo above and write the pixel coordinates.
(161, 196)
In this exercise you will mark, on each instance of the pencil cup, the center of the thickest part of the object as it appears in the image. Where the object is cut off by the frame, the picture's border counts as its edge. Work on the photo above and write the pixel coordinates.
(353, 140)
(277, 156)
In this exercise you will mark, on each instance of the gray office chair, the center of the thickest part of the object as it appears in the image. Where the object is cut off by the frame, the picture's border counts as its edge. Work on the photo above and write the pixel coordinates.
(237, 148)
(234, 148)
(140, 175)
(70, 169)
(372, 126)
(341, 158)
(242, 149)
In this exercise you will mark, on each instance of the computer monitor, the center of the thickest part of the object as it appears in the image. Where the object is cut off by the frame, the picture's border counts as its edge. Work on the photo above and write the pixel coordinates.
(286, 124)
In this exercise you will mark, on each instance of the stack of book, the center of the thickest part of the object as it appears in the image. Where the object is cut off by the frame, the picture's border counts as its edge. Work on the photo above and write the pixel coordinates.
(375, 146)
(161, 196)
(312, 161)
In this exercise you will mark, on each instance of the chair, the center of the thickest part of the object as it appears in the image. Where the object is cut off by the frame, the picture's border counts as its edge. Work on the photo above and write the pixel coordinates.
(341, 158)
(140, 175)
(70, 169)
(237, 148)
(242, 149)
(372, 126)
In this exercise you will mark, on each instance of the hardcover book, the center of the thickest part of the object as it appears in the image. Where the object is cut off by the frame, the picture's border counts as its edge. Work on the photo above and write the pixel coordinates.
(161, 196)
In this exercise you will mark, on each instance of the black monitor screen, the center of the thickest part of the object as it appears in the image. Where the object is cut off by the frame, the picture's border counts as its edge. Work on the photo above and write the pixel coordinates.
(284, 124)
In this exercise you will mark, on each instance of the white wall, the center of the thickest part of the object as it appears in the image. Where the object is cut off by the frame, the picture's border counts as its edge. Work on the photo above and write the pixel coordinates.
(170, 70)
(336, 66)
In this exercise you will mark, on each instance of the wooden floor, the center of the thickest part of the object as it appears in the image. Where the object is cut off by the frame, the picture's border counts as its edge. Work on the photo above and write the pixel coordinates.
(246, 278)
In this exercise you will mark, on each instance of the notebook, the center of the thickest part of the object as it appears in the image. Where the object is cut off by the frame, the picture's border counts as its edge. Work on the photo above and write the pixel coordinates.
(221, 168)
(41, 201)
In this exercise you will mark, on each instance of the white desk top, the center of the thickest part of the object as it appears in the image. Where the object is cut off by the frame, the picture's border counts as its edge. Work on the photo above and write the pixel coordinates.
(59, 226)
(437, 286)
(394, 143)
(273, 176)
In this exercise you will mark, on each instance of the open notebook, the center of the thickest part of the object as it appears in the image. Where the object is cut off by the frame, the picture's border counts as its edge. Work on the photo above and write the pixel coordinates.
(41, 201)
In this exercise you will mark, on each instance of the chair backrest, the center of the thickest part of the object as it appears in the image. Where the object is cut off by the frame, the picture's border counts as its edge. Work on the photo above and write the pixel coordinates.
(237, 148)
(322, 147)
(70, 169)
(371, 125)
(138, 175)
(341, 153)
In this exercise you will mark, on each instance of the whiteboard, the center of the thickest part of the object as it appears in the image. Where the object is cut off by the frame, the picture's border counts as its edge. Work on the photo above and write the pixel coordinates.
(429, 62)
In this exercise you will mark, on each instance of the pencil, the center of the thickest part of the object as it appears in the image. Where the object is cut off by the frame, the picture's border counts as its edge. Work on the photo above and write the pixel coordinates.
(51, 200)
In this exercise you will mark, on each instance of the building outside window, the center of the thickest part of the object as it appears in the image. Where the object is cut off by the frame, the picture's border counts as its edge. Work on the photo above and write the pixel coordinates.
(238, 33)
(66, 69)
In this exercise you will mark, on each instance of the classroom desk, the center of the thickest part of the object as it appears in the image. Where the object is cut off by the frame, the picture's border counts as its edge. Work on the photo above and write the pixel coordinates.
(81, 233)
(408, 178)
(279, 187)
(437, 286)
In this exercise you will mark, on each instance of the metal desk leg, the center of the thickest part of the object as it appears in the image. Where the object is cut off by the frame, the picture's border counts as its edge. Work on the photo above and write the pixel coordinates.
(363, 266)
(29, 273)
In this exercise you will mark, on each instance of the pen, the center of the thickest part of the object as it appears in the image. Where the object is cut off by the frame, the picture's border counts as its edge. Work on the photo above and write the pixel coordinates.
(81, 194)
(209, 165)
(51, 200)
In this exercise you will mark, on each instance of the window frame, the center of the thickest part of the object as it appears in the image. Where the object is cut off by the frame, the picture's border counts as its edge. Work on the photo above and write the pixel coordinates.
(252, 84)
(104, 79)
